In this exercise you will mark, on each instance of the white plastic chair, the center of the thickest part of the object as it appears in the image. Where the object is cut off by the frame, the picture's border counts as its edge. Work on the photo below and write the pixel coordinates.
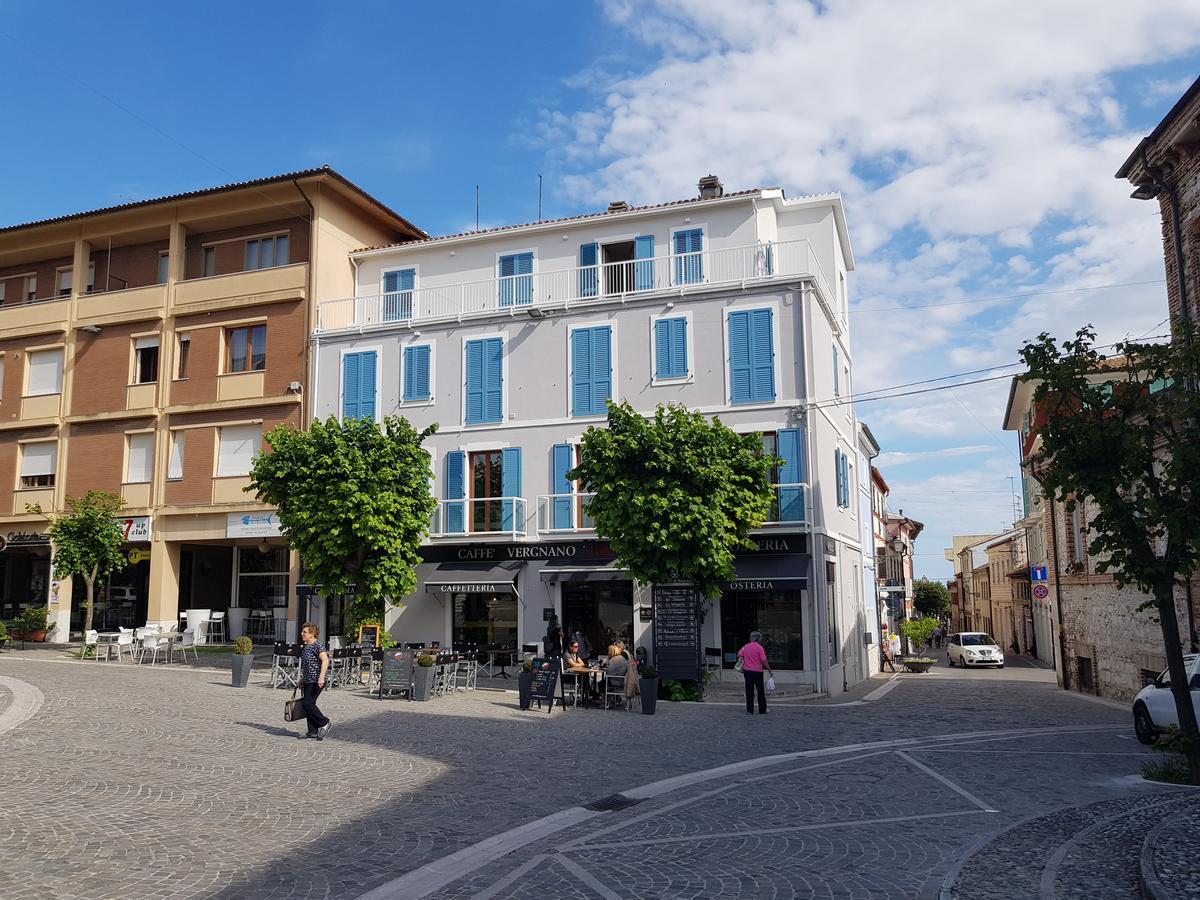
(91, 638)
(153, 643)
(188, 640)
(216, 627)
(124, 640)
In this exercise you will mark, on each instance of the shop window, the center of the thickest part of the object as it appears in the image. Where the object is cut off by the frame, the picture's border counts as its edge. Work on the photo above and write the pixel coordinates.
(145, 351)
(139, 458)
(39, 462)
(237, 447)
(485, 619)
(777, 614)
(247, 349)
(262, 578)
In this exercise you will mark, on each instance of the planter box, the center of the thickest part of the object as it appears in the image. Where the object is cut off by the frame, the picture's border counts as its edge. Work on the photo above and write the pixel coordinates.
(649, 688)
(241, 669)
(918, 666)
(422, 682)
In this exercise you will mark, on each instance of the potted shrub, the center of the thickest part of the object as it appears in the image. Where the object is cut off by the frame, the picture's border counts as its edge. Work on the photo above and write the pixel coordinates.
(649, 686)
(33, 623)
(423, 677)
(525, 683)
(919, 632)
(3, 635)
(243, 647)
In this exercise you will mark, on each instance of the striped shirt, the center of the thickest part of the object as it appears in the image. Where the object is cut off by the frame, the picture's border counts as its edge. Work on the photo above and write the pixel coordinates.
(310, 662)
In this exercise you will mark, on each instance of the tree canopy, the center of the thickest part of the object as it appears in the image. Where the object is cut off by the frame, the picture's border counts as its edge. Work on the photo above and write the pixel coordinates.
(354, 499)
(675, 495)
(88, 540)
(1121, 433)
(931, 598)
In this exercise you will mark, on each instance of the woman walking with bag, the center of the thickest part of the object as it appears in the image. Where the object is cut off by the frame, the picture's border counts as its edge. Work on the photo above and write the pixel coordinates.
(753, 659)
(314, 664)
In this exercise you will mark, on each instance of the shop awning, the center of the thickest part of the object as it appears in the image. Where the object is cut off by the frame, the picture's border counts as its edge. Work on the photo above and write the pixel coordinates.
(473, 578)
(768, 573)
(604, 572)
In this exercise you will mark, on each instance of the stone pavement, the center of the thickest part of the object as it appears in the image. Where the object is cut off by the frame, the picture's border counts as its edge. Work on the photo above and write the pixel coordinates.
(169, 783)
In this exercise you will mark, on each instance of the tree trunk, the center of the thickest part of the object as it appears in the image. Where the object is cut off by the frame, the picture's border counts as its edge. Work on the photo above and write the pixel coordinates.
(91, 586)
(1165, 595)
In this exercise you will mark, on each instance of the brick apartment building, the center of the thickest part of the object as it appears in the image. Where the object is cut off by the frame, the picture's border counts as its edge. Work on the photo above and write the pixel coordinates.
(145, 349)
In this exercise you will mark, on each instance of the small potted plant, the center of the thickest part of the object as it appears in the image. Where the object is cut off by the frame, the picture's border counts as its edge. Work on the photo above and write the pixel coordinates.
(649, 687)
(525, 684)
(243, 648)
(3, 635)
(919, 632)
(33, 623)
(423, 677)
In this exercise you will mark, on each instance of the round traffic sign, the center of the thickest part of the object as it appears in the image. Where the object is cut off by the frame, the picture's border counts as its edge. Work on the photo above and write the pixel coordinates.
(1041, 591)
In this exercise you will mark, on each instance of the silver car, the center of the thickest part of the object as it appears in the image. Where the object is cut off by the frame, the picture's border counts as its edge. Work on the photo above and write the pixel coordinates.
(1154, 706)
(974, 648)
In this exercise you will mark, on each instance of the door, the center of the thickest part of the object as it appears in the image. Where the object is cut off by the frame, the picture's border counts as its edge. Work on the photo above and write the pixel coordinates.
(601, 610)
(487, 480)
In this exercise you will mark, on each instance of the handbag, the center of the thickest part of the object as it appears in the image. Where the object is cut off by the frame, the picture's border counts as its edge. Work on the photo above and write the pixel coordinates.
(737, 666)
(293, 710)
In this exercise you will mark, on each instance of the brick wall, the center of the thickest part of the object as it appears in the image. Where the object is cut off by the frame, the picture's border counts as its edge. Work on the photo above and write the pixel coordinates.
(46, 272)
(97, 455)
(135, 265)
(102, 367)
(231, 256)
(286, 341)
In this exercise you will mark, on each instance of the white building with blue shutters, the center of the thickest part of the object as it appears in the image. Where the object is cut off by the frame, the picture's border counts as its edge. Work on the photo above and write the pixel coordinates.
(515, 339)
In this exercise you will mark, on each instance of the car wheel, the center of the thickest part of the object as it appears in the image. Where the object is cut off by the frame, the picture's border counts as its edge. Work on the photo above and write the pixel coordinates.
(1143, 725)
(1001, 666)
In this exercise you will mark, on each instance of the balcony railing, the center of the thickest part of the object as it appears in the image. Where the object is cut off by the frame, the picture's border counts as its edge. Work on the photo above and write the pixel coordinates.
(492, 516)
(675, 273)
(788, 506)
(564, 514)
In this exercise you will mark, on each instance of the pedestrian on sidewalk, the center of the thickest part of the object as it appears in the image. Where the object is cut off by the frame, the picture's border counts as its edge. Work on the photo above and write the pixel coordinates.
(937, 637)
(314, 665)
(754, 660)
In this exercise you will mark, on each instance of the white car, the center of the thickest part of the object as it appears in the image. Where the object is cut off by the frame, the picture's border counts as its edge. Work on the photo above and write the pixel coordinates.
(974, 648)
(1154, 706)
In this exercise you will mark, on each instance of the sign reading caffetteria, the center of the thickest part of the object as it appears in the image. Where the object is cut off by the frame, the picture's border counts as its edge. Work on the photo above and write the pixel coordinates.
(470, 587)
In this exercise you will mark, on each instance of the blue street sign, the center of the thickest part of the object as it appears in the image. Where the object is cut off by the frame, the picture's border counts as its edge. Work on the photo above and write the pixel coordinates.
(1037, 573)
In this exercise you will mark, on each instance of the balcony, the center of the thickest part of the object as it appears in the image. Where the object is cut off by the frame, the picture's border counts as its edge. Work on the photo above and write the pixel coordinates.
(676, 274)
(116, 305)
(788, 508)
(261, 285)
(494, 517)
(564, 514)
(18, 316)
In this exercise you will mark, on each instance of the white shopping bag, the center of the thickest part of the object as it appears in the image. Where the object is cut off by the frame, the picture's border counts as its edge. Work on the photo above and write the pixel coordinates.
(770, 684)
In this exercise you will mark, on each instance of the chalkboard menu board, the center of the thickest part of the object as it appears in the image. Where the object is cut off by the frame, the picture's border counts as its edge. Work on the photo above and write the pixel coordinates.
(368, 635)
(545, 682)
(677, 632)
(395, 674)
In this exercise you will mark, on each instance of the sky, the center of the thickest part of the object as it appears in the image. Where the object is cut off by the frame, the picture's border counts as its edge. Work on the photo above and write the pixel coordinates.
(974, 143)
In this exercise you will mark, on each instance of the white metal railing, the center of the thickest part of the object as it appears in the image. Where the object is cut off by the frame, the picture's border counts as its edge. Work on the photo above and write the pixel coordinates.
(673, 273)
(500, 516)
(789, 506)
(564, 514)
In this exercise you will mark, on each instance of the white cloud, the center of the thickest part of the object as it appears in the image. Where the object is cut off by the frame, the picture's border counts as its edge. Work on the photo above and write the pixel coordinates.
(902, 457)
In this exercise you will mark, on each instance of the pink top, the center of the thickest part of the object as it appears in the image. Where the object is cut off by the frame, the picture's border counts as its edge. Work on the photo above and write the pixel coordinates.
(754, 657)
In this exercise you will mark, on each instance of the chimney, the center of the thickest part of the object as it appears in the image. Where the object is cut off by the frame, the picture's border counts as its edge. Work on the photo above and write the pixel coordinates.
(618, 206)
(711, 187)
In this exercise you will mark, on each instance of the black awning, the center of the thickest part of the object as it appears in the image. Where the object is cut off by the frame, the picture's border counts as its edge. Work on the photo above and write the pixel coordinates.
(608, 572)
(473, 578)
(768, 573)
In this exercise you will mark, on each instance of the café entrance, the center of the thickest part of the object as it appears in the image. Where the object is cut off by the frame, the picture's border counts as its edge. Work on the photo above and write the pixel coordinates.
(602, 610)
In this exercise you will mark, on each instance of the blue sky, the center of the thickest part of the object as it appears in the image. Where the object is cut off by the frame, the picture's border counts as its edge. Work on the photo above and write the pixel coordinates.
(974, 146)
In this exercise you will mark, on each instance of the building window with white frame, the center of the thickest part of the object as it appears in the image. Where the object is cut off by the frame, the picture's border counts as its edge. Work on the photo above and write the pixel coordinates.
(237, 445)
(145, 359)
(39, 462)
(175, 458)
(45, 372)
(139, 457)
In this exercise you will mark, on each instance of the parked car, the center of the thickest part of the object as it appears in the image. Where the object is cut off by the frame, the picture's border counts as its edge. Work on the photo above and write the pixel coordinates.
(1154, 706)
(974, 648)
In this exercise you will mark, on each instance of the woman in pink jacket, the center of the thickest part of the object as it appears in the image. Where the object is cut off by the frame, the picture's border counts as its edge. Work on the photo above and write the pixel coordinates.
(754, 661)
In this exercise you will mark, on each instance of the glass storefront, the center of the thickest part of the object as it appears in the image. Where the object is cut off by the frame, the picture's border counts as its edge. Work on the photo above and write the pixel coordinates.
(777, 614)
(24, 578)
(601, 610)
(485, 619)
(262, 578)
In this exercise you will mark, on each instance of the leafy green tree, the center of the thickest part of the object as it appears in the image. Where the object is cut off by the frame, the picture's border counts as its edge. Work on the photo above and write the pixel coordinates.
(87, 541)
(1122, 433)
(919, 631)
(931, 598)
(354, 499)
(675, 495)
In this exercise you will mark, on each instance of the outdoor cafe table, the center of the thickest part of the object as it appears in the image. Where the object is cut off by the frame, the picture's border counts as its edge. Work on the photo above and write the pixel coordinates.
(595, 677)
(107, 640)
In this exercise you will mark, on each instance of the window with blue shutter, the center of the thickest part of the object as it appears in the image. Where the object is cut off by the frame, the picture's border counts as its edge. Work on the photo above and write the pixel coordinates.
(670, 348)
(837, 373)
(416, 372)
(591, 370)
(516, 279)
(643, 271)
(563, 506)
(751, 356)
(589, 269)
(398, 294)
(689, 264)
(837, 467)
(358, 385)
(791, 499)
(485, 381)
(456, 465)
(512, 516)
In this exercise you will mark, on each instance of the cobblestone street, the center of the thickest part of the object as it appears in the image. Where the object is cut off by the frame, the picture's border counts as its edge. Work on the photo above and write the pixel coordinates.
(169, 783)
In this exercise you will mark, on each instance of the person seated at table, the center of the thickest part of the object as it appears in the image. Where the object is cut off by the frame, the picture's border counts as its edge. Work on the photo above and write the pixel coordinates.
(572, 659)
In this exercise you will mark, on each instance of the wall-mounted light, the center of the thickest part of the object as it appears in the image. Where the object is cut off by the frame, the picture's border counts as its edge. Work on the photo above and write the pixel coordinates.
(263, 547)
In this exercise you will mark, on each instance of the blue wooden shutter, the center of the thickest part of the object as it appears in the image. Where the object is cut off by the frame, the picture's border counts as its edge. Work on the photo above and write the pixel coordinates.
(846, 480)
(474, 382)
(366, 385)
(516, 286)
(391, 282)
(601, 369)
(564, 456)
(456, 464)
(398, 298)
(350, 367)
(679, 355)
(508, 266)
(643, 272)
(837, 373)
(493, 380)
(689, 265)
(791, 499)
(837, 466)
(581, 372)
(762, 356)
(513, 512)
(416, 372)
(739, 358)
(670, 348)
(589, 273)
(662, 349)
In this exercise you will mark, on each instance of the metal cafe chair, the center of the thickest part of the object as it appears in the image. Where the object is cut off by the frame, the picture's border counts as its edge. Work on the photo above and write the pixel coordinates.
(285, 664)
(614, 689)
(712, 661)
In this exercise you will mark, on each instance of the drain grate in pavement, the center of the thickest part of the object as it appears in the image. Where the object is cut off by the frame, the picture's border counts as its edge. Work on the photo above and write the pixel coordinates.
(611, 803)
